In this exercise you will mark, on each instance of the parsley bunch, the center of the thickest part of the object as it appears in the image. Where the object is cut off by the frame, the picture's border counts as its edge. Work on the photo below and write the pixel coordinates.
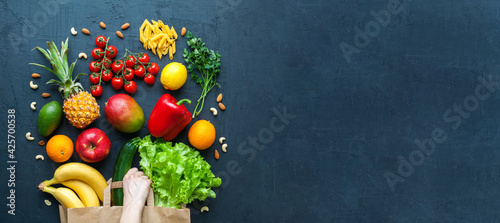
(207, 62)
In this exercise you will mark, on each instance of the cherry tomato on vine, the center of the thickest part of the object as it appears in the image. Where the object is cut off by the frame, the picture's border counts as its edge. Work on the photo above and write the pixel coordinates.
(153, 68)
(106, 62)
(128, 74)
(111, 51)
(100, 41)
(131, 87)
(143, 58)
(97, 53)
(96, 90)
(117, 83)
(106, 75)
(117, 66)
(94, 78)
(130, 61)
(95, 66)
(139, 71)
(149, 79)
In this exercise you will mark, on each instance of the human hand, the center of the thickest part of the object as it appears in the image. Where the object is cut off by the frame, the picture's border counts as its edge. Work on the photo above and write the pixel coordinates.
(135, 188)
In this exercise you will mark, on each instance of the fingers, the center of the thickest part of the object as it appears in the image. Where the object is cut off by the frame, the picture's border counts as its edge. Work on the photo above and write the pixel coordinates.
(131, 172)
(139, 174)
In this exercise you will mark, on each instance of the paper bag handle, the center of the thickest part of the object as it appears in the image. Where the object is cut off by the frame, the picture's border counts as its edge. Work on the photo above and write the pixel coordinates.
(150, 201)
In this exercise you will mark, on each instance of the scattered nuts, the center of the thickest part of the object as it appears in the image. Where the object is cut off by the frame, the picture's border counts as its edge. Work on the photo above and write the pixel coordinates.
(85, 31)
(221, 140)
(214, 111)
(222, 107)
(28, 136)
(125, 26)
(183, 31)
(35, 75)
(224, 147)
(82, 54)
(102, 25)
(216, 155)
(119, 34)
(32, 105)
(48, 203)
(33, 86)
(73, 31)
(39, 157)
(204, 208)
(219, 98)
(45, 95)
(41, 143)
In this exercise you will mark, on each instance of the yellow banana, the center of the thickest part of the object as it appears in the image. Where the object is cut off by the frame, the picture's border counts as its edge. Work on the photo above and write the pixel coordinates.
(65, 196)
(85, 192)
(79, 171)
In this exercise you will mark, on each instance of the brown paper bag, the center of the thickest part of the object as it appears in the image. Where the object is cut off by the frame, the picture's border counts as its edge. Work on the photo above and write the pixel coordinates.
(108, 214)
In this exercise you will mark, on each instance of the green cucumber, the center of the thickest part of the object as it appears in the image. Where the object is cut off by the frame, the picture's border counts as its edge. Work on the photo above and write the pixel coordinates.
(122, 165)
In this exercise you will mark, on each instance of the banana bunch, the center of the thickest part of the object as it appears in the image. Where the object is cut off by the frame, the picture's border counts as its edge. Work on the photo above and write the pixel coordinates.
(86, 181)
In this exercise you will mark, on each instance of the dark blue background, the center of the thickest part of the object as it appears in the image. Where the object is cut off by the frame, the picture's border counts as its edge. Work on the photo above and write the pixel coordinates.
(353, 122)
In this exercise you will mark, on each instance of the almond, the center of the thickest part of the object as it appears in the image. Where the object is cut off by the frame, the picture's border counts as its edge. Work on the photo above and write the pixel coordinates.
(222, 107)
(216, 155)
(41, 143)
(35, 75)
(85, 31)
(45, 95)
(125, 26)
(102, 25)
(219, 98)
(183, 31)
(119, 34)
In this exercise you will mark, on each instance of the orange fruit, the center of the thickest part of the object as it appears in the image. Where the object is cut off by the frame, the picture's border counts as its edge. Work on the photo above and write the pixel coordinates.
(59, 148)
(202, 134)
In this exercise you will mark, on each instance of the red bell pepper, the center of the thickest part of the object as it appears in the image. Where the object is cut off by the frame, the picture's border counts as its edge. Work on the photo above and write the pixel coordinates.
(168, 117)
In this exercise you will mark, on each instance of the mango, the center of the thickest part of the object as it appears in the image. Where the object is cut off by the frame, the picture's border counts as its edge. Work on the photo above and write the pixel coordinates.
(124, 114)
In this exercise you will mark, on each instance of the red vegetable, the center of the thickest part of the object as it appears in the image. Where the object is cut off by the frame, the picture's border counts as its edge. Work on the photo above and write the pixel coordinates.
(168, 117)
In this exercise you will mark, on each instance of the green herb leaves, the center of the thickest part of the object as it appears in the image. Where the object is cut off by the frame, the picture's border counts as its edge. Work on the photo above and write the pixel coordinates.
(207, 62)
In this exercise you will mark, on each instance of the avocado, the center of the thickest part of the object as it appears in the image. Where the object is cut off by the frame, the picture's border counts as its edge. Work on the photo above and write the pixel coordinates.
(49, 118)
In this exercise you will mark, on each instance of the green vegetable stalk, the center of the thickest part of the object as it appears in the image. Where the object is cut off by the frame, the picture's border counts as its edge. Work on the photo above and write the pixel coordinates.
(178, 172)
(207, 62)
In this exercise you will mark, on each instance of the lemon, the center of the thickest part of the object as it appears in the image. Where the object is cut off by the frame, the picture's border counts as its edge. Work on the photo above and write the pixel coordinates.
(173, 76)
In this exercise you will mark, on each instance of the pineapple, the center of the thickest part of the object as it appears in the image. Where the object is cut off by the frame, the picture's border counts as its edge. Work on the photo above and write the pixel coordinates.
(80, 107)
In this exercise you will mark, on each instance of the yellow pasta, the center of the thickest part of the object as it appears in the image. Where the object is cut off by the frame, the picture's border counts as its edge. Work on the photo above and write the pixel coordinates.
(173, 32)
(158, 37)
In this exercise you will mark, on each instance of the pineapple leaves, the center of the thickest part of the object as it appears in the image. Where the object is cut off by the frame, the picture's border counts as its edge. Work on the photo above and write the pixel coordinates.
(64, 52)
(71, 68)
(42, 66)
(55, 82)
(77, 78)
(60, 67)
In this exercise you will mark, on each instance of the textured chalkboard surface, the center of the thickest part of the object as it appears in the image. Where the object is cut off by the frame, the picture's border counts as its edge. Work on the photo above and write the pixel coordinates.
(337, 111)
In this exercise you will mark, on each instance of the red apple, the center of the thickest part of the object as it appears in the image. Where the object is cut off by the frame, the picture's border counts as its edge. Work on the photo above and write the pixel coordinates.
(92, 145)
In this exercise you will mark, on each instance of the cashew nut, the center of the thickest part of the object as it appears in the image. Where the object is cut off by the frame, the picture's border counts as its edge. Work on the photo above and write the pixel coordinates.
(33, 86)
(73, 31)
(39, 157)
(204, 208)
(82, 54)
(221, 139)
(48, 203)
(28, 136)
(214, 111)
(224, 147)
(32, 105)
